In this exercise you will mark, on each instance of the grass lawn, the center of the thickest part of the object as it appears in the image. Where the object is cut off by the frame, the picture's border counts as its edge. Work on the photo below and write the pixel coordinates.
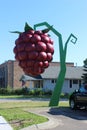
(21, 96)
(17, 115)
(19, 118)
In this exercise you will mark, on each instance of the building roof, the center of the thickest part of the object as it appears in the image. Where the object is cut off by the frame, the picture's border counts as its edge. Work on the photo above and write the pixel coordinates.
(26, 78)
(71, 72)
(74, 72)
(52, 72)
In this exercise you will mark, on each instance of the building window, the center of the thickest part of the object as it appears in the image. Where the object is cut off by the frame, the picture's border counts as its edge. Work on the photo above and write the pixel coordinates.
(75, 81)
(53, 81)
(2, 82)
(70, 83)
(79, 83)
(37, 84)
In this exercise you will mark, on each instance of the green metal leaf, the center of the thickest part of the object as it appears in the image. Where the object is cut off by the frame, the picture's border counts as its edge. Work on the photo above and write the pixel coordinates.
(47, 29)
(15, 32)
(27, 27)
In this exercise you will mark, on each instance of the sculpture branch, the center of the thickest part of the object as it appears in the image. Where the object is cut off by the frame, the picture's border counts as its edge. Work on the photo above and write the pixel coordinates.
(60, 80)
(71, 39)
(74, 39)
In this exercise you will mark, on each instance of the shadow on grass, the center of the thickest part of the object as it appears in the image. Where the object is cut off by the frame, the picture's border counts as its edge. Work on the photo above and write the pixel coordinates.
(79, 114)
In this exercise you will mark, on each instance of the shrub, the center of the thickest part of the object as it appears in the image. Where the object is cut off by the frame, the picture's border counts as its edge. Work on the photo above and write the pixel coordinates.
(32, 92)
(48, 92)
(64, 95)
(27, 91)
(3, 91)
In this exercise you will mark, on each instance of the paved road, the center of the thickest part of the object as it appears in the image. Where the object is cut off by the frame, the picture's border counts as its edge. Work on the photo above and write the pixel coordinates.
(68, 119)
(23, 99)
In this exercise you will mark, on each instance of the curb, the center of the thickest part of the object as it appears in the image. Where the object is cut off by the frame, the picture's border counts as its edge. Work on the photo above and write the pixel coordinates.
(51, 123)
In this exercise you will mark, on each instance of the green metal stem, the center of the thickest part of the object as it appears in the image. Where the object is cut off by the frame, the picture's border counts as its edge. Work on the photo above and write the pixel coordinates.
(60, 80)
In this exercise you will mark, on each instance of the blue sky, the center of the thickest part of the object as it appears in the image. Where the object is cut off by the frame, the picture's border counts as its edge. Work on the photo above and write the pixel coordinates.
(66, 16)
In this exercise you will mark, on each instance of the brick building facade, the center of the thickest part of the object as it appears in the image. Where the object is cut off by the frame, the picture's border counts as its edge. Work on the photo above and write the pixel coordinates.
(10, 74)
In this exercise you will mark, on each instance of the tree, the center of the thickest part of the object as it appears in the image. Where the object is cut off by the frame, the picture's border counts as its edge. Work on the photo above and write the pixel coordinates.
(84, 75)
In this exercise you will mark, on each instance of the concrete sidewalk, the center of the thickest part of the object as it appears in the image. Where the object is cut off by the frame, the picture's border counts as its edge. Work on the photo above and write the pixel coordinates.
(4, 124)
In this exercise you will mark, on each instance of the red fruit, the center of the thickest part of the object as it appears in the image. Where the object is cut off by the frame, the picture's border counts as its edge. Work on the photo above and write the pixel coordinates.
(18, 41)
(49, 57)
(35, 38)
(30, 47)
(45, 64)
(32, 55)
(38, 70)
(21, 47)
(15, 50)
(34, 50)
(27, 37)
(42, 56)
(16, 57)
(44, 38)
(31, 32)
(38, 32)
(23, 64)
(38, 64)
(41, 46)
(50, 48)
(28, 70)
(51, 41)
(22, 55)
(30, 63)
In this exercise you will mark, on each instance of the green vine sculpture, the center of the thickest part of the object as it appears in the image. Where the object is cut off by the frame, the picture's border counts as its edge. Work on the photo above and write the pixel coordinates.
(60, 80)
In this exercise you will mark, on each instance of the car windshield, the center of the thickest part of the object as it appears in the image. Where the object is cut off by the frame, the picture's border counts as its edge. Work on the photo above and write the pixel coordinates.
(83, 89)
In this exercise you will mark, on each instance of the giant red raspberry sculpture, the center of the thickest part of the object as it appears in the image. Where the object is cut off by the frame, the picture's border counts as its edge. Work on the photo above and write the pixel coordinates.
(33, 50)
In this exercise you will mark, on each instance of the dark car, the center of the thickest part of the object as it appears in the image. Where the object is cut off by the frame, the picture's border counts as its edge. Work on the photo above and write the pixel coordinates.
(78, 99)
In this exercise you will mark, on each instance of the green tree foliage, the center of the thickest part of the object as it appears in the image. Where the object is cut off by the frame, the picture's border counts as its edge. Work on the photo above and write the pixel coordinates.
(84, 76)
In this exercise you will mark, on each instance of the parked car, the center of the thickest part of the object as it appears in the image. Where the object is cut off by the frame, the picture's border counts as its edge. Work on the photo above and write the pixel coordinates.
(78, 99)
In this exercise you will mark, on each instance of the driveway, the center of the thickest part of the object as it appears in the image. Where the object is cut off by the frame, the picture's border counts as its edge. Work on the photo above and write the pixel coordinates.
(62, 118)
(69, 119)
